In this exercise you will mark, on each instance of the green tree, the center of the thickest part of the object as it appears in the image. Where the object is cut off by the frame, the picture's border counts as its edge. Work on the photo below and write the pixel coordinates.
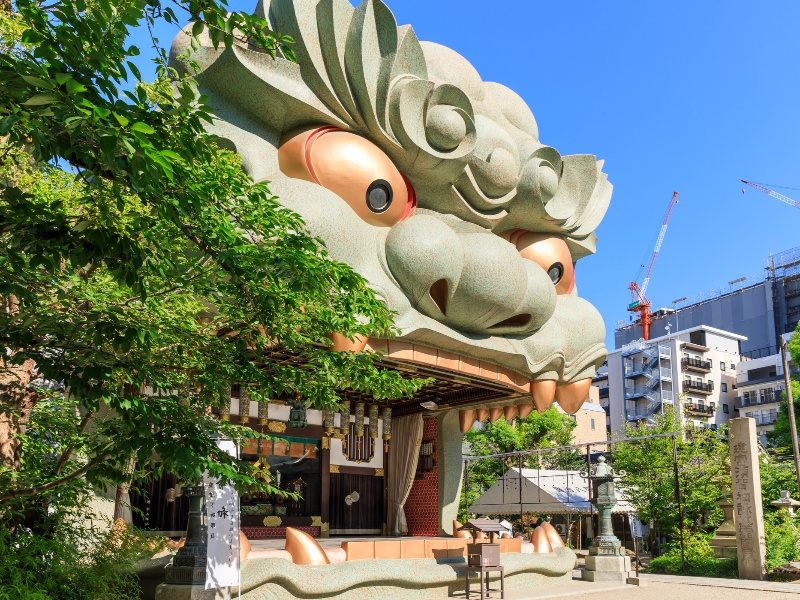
(550, 429)
(781, 437)
(649, 483)
(141, 268)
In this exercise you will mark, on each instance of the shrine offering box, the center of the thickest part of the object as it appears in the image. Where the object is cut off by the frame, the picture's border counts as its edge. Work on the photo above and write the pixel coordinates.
(483, 555)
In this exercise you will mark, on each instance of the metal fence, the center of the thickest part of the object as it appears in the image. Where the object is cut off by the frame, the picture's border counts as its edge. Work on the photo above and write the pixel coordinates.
(550, 483)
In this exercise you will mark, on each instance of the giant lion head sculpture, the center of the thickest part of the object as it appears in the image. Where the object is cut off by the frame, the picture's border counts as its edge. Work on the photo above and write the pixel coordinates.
(428, 181)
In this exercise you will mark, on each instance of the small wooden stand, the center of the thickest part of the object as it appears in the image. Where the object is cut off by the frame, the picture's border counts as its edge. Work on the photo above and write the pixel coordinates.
(483, 574)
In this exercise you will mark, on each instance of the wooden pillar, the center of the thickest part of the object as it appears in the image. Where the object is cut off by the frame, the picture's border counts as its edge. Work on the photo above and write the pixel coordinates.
(325, 486)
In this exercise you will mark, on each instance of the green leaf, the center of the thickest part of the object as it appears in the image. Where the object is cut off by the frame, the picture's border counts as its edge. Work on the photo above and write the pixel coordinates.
(7, 123)
(108, 143)
(197, 28)
(142, 128)
(73, 87)
(121, 119)
(35, 81)
(171, 154)
(62, 78)
(40, 99)
(106, 6)
(81, 226)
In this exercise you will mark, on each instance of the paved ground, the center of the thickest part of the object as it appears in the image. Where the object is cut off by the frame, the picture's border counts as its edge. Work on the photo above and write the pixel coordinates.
(665, 587)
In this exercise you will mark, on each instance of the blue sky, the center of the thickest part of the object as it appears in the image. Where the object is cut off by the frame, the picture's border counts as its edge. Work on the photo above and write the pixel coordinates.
(675, 96)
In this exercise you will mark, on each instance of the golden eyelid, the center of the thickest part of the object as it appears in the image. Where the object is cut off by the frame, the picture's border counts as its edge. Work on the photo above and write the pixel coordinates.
(346, 164)
(545, 250)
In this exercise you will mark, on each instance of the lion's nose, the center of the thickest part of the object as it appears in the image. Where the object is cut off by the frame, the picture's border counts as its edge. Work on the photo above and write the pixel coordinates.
(471, 280)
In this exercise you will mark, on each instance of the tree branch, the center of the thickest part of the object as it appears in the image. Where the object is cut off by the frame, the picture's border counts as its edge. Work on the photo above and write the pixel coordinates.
(68, 450)
(53, 484)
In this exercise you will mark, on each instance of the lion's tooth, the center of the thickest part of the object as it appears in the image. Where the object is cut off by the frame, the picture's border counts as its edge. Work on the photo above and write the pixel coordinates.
(571, 396)
(543, 392)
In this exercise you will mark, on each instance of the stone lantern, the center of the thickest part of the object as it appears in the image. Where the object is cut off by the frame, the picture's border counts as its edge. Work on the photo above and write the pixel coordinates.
(786, 502)
(607, 560)
(189, 564)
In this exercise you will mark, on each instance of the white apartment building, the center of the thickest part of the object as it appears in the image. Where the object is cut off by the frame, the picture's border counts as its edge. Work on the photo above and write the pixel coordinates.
(693, 369)
(600, 383)
(760, 386)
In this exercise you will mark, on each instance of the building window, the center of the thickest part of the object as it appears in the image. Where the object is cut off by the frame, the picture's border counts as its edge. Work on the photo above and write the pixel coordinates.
(721, 366)
(733, 367)
(686, 356)
(592, 424)
(725, 409)
(724, 387)
(712, 405)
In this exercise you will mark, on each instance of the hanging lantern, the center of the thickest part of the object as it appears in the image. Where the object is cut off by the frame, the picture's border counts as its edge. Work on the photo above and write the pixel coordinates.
(387, 426)
(263, 412)
(373, 421)
(225, 409)
(359, 419)
(244, 404)
(344, 416)
(297, 414)
(328, 416)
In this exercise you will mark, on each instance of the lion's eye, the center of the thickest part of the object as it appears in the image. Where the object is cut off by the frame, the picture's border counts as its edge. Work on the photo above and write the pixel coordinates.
(353, 168)
(549, 252)
(556, 272)
(379, 196)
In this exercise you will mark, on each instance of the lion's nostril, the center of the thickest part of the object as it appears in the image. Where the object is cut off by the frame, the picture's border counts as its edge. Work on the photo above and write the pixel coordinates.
(515, 321)
(438, 292)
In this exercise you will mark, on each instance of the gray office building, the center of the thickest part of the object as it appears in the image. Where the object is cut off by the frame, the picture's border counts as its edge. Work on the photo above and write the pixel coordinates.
(761, 310)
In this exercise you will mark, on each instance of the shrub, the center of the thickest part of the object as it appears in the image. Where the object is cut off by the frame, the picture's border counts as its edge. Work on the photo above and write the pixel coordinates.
(782, 538)
(699, 559)
(72, 561)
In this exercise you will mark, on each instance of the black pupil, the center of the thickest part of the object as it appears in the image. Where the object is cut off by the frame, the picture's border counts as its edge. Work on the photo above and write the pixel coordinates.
(556, 272)
(379, 195)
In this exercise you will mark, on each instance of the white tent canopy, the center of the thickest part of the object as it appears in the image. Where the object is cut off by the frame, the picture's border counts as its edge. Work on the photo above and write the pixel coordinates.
(542, 491)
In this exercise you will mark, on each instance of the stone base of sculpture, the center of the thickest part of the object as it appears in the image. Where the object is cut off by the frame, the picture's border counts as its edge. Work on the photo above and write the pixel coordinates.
(169, 591)
(607, 561)
(724, 541)
(607, 568)
(723, 546)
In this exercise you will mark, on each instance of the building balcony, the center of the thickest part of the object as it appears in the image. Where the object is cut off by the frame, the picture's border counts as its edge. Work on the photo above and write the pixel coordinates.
(697, 364)
(771, 398)
(698, 388)
(604, 392)
(698, 409)
(763, 421)
(696, 347)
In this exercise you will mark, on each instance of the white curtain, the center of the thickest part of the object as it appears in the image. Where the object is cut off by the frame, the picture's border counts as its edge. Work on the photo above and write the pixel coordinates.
(403, 456)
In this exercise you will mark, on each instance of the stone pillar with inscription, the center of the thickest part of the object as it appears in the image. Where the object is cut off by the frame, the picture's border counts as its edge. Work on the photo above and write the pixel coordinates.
(746, 492)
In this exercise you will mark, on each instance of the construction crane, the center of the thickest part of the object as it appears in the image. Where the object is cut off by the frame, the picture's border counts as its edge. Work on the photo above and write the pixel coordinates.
(639, 302)
(762, 188)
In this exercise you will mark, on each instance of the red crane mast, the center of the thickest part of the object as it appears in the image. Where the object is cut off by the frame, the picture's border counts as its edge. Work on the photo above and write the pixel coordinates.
(639, 302)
